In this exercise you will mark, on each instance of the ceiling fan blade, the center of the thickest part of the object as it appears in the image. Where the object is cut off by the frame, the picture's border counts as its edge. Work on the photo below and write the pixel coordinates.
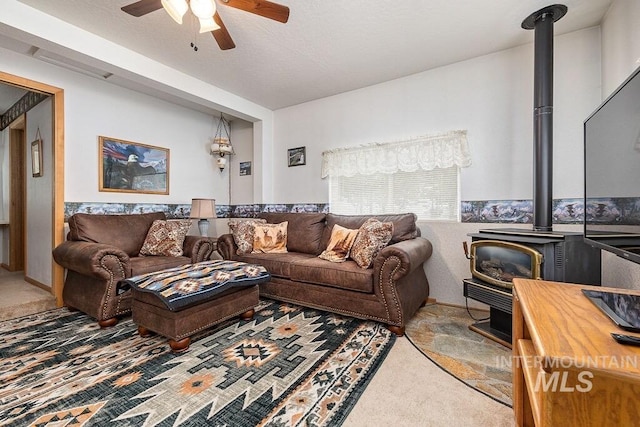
(264, 8)
(142, 7)
(222, 35)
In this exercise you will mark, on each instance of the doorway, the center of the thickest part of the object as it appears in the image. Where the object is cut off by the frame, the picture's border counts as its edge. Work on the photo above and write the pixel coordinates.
(57, 210)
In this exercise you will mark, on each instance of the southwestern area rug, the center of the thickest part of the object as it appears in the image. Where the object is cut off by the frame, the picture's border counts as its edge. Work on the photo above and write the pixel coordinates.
(288, 366)
(442, 334)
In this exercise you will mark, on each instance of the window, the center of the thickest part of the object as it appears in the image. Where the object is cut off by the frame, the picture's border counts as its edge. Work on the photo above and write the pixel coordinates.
(419, 176)
(432, 195)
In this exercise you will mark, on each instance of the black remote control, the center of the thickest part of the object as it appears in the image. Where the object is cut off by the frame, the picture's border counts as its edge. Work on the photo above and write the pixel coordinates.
(626, 339)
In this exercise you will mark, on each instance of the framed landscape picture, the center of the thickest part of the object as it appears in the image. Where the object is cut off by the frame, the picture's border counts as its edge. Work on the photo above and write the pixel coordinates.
(297, 156)
(131, 167)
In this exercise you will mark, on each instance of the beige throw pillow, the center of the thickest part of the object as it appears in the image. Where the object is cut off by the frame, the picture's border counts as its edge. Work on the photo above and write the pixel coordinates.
(165, 238)
(242, 231)
(270, 238)
(339, 244)
(372, 236)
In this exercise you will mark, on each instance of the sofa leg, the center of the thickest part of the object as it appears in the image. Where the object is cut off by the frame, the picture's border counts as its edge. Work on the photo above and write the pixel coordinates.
(248, 315)
(180, 346)
(107, 323)
(398, 330)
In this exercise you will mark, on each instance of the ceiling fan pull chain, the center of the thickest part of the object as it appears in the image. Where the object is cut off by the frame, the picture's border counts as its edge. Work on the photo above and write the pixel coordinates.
(194, 31)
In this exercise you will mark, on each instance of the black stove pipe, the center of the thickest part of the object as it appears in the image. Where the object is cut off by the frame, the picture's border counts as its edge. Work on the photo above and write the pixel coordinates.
(542, 22)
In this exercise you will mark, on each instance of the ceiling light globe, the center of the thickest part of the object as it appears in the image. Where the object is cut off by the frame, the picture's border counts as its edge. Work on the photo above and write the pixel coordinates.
(175, 8)
(207, 25)
(203, 9)
(221, 162)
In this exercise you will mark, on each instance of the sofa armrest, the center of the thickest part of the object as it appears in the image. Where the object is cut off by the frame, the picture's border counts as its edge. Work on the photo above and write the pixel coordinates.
(93, 259)
(198, 248)
(400, 259)
(227, 246)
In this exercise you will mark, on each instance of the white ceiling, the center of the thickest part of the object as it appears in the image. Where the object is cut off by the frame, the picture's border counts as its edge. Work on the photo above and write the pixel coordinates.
(328, 46)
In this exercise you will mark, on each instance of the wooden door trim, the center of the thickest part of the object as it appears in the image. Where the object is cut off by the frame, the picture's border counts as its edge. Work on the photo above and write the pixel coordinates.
(57, 213)
(17, 154)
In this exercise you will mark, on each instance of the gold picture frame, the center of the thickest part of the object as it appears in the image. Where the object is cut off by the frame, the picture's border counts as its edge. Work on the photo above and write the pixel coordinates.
(36, 158)
(132, 167)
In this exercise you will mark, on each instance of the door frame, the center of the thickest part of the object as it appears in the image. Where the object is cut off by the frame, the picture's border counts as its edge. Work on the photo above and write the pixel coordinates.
(57, 94)
(17, 185)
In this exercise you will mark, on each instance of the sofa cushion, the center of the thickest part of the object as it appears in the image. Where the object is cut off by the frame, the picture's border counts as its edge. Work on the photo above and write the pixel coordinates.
(277, 265)
(126, 232)
(404, 225)
(270, 238)
(165, 238)
(339, 244)
(372, 236)
(304, 231)
(243, 232)
(143, 265)
(345, 275)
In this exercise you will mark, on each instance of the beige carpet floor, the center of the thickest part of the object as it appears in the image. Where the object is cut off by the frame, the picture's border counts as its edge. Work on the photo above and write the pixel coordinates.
(20, 298)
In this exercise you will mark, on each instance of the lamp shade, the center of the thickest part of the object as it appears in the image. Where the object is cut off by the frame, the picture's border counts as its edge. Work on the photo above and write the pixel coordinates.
(203, 208)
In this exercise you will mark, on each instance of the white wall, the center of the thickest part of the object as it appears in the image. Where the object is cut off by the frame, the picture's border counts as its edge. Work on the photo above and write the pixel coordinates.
(242, 186)
(491, 97)
(620, 44)
(39, 196)
(94, 107)
(4, 192)
(620, 57)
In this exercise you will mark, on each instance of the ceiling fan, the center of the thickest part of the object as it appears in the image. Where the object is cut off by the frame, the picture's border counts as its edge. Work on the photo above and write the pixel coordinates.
(205, 11)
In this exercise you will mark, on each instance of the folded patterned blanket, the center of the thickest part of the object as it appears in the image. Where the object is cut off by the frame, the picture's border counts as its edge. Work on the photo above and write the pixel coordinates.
(180, 287)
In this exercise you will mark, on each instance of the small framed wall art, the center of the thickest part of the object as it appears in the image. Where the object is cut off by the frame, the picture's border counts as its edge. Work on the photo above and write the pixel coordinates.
(245, 168)
(297, 156)
(36, 158)
(131, 167)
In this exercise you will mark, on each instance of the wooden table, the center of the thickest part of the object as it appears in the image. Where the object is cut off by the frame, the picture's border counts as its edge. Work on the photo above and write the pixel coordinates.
(567, 369)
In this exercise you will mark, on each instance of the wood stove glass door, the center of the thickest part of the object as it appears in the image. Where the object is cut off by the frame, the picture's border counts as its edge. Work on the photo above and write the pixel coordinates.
(499, 262)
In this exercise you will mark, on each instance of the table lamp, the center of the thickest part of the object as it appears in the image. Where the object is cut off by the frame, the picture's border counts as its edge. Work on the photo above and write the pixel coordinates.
(203, 209)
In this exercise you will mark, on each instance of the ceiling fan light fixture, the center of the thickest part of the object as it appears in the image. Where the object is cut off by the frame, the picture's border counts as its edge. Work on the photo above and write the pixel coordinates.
(207, 25)
(203, 9)
(176, 9)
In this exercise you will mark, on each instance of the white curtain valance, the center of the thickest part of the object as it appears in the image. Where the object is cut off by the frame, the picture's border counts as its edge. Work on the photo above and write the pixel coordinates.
(425, 152)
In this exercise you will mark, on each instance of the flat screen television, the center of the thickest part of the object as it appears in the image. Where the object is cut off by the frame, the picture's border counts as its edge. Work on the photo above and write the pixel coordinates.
(612, 172)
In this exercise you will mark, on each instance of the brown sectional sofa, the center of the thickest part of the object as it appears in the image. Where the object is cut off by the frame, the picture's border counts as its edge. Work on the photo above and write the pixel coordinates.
(391, 291)
(101, 250)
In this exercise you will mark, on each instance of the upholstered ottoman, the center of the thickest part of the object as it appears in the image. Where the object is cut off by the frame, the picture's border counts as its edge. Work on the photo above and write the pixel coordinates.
(179, 302)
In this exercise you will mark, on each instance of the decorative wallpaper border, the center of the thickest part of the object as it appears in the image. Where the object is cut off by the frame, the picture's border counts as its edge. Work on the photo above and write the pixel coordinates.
(24, 104)
(565, 211)
(176, 211)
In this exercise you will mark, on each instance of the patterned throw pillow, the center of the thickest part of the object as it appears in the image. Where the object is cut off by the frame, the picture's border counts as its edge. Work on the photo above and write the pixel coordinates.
(339, 244)
(166, 237)
(372, 236)
(242, 231)
(270, 238)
